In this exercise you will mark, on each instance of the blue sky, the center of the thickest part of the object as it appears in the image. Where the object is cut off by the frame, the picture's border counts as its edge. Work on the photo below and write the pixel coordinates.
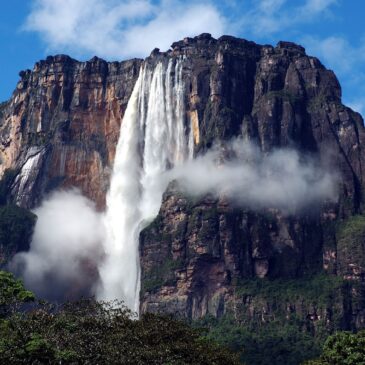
(332, 30)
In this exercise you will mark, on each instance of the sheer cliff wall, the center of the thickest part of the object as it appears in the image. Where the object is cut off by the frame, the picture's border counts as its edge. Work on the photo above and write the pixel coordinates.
(61, 126)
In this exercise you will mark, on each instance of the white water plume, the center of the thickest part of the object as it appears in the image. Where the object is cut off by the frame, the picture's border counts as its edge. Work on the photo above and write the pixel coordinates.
(153, 138)
(66, 248)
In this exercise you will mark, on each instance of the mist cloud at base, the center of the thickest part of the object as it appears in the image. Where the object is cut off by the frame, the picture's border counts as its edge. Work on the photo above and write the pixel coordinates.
(282, 179)
(66, 248)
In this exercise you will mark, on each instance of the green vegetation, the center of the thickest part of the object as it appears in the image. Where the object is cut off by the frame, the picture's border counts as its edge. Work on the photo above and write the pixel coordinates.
(16, 224)
(318, 289)
(351, 243)
(12, 292)
(89, 332)
(352, 228)
(275, 343)
(281, 321)
(16, 228)
(342, 348)
(160, 275)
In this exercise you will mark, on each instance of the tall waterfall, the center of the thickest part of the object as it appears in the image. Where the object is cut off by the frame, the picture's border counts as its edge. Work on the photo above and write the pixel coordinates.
(153, 138)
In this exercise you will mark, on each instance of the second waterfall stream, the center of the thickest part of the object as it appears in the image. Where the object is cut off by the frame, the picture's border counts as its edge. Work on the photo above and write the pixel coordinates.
(153, 138)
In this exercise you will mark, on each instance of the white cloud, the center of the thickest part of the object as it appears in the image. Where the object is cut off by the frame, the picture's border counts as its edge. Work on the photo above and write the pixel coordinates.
(66, 247)
(289, 19)
(267, 17)
(317, 6)
(336, 52)
(347, 60)
(357, 104)
(120, 29)
(282, 179)
(174, 23)
(270, 6)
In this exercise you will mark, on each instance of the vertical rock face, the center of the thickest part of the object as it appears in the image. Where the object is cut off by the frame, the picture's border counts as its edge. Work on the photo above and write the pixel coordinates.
(61, 126)
(197, 252)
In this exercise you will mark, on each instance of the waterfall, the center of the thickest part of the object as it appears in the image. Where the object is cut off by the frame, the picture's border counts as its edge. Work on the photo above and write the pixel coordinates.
(153, 138)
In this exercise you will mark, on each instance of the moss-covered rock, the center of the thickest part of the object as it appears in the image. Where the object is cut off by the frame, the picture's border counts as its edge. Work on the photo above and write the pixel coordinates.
(351, 247)
(160, 275)
(270, 344)
(282, 321)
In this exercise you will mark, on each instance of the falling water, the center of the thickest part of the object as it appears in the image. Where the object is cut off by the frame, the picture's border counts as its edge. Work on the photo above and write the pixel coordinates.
(153, 138)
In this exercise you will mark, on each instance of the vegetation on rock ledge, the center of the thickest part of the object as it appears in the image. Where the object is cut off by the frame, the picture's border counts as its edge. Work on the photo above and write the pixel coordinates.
(281, 321)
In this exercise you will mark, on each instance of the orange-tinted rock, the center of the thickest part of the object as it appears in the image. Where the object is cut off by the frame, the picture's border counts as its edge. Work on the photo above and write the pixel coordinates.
(70, 112)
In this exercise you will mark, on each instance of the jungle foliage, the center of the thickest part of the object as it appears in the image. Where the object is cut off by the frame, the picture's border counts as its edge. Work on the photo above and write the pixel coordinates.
(90, 332)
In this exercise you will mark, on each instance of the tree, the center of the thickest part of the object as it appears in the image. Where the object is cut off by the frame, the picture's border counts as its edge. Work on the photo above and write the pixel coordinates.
(12, 292)
(16, 229)
(343, 348)
(90, 332)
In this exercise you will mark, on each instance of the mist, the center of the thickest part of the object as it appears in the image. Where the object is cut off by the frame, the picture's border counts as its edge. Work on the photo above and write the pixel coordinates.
(66, 248)
(283, 179)
(70, 246)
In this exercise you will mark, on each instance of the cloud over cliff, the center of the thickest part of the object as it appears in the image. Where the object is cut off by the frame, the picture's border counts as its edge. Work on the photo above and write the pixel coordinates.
(283, 179)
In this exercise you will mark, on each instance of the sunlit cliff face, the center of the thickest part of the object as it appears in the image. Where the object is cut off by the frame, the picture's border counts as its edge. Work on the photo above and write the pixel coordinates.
(98, 252)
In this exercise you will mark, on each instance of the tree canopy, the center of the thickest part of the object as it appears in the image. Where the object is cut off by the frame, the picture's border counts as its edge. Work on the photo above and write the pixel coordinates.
(343, 348)
(12, 292)
(90, 332)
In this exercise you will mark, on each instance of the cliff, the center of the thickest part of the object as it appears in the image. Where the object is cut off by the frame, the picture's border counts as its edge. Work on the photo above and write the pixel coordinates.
(279, 97)
(62, 122)
(61, 126)
(262, 271)
(206, 256)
